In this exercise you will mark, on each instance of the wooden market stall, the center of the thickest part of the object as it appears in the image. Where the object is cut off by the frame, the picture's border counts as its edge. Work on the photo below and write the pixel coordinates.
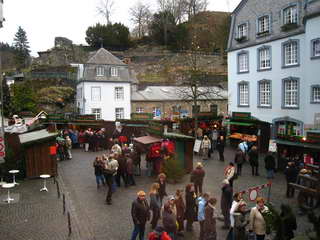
(242, 126)
(39, 156)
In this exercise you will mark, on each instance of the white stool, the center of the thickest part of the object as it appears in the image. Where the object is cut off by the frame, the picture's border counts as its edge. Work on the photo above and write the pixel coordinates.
(8, 186)
(44, 177)
(14, 172)
(2, 182)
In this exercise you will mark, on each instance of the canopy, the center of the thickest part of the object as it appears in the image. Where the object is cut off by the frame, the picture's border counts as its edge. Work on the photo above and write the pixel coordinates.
(298, 144)
(147, 139)
(240, 123)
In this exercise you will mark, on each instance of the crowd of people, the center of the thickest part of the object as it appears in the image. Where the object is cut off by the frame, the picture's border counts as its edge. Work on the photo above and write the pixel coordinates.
(171, 215)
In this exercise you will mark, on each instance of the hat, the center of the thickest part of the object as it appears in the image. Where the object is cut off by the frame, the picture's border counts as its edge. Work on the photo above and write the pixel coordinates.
(303, 171)
(225, 181)
(158, 230)
(171, 197)
(141, 193)
(199, 164)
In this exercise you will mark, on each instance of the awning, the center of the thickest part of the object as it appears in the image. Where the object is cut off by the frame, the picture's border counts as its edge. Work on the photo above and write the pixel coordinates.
(147, 139)
(135, 125)
(298, 144)
(240, 123)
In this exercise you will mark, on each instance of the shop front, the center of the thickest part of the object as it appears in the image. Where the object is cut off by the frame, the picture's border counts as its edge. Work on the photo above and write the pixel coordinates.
(294, 143)
(242, 126)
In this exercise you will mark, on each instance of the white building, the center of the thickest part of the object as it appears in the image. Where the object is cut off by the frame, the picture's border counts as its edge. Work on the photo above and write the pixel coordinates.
(274, 63)
(1, 13)
(105, 88)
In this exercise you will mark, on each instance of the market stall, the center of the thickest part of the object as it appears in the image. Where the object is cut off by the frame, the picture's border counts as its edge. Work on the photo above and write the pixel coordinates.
(242, 126)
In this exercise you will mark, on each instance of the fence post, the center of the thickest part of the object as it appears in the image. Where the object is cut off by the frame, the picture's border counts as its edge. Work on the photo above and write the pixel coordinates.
(58, 189)
(69, 224)
(64, 203)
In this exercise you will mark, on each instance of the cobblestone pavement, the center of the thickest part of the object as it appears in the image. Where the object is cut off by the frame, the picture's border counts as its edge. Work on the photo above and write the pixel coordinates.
(38, 215)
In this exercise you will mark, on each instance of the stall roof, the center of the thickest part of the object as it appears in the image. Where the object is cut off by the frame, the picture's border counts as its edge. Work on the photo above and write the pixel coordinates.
(298, 144)
(147, 139)
(239, 123)
(177, 135)
(35, 136)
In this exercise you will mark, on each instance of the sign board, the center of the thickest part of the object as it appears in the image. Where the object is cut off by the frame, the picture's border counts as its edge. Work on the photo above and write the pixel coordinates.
(272, 146)
(197, 145)
(314, 136)
(142, 116)
(2, 148)
(241, 115)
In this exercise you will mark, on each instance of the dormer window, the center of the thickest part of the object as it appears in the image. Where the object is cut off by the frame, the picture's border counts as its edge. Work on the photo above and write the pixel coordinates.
(100, 71)
(264, 24)
(242, 32)
(290, 15)
(114, 72)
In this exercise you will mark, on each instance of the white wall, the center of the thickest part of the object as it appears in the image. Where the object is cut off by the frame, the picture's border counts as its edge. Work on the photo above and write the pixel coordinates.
(308, 72)
(107, 102)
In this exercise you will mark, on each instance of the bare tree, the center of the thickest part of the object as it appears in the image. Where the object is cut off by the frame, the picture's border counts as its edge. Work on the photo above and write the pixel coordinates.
(140, 15)
(105, 9)
(192, 7)
(196, 85)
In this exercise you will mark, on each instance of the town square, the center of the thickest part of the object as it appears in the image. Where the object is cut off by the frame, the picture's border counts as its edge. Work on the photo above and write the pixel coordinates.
(160, 120)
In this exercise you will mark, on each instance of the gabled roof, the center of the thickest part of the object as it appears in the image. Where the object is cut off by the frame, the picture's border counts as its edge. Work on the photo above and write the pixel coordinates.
(104, 57)
(240, 5)
(175, 93)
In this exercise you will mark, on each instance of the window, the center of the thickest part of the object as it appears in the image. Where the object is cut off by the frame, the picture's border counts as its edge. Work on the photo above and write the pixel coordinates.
(114, 72)
(243, 96)
(139, 110)
(315, 94)
(242, 31)
(156, 112)
(243, 62)
(100, 71)
(290, 53)
(291, 93)
(96, 112)
(119, 113)
(264, 58)
(118, 93)
(264, 93)
(79, 93)
(95, 93)
(264, 24)
(315, 48)
(290, 15)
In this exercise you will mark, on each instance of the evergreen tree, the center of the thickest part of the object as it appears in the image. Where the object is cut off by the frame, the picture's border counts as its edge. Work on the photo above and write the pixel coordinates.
(23, 98)
(22, 47)
(6, 100)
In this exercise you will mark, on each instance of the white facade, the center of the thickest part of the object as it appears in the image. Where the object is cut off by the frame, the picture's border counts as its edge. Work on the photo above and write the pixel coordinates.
(104, 87)
(306, 72)
(88, 100)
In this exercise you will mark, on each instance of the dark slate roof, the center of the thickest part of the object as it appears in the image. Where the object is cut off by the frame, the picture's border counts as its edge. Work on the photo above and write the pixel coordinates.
(104, 57)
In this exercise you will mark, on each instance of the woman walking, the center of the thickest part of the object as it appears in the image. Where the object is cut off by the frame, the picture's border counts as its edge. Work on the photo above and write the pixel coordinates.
(98, 171)
(210, 231)
(169, 221)
(180, 206)
(191, 206)
(240, 222)
(257, 223)
(254, 160)
(155, 204)
(239, 159)
(162, 183)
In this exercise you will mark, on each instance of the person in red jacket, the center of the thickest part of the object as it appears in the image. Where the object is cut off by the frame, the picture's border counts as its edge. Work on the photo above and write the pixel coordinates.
(159, 234)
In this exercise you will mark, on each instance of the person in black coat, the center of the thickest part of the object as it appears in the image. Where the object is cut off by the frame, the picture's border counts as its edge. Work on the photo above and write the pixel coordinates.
(254, 160)
(140, 213)
(291, 172)
(220, 147)
(289, 222)
(270, 165)
(226, 202)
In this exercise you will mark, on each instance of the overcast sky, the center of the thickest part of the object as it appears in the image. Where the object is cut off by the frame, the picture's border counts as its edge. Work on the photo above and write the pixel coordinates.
(43, 20)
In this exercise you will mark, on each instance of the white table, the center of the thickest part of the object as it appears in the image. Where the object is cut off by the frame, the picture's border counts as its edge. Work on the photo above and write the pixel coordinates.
(44, 177)
(8, 186)
(14, 172)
